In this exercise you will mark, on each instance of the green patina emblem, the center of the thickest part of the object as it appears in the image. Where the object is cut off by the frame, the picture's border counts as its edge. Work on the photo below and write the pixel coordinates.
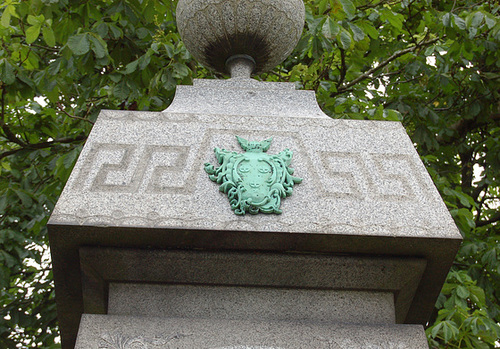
(254, 181)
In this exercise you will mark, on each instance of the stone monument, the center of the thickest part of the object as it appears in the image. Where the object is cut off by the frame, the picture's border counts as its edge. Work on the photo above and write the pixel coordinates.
(298, 231)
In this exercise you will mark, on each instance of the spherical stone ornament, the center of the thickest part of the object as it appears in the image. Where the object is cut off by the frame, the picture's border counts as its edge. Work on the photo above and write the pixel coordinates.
(266, 30)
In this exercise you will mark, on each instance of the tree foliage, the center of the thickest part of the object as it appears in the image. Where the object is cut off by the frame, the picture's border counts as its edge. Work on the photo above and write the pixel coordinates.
(433, 65)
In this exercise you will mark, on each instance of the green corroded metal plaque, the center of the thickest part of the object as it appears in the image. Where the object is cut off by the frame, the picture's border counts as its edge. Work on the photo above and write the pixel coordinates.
(254, 181)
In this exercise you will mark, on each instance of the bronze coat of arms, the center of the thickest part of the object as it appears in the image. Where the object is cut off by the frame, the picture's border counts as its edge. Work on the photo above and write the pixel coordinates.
(254, 181)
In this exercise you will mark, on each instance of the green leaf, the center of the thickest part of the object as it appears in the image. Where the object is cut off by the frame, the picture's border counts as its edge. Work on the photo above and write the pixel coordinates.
(180, 70)
(462, 292)
(490, 257)
(395, 19)
(70, 158)
(48, 36)
(490, 20)
(145, 60)
(477, 295)
(368, 28)
(330, 29)
(131, 67)
(7, 72)
(102, 29)
(121, 90)
(79, 44)
(3, 203)
(345, 39)
(322, 6)
(32, 33)
(465, 200)
(8, 13)
(54, 67)
(98, 46)
(474, 19)
(450, 330)
(459, 22)
(392, 115)
(7, 259)
(358, 33)
(115, 31)
(349, 8)
(25, 198)
(429, 51)
(142, 33)
(446, 19)
(4, 277)
(36, 20)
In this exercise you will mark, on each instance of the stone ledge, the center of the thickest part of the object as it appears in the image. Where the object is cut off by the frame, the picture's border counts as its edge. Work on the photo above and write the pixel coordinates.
(109, 332)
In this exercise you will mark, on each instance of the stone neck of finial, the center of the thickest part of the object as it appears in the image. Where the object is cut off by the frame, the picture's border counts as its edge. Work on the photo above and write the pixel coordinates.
(240, 66)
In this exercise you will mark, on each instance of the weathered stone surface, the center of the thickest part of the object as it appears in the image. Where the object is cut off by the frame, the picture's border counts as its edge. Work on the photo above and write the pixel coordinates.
(360, 177)
(251, 303)
(245, 97)
(266, 30)
(398, 277)
(139, 183)
(113, 332)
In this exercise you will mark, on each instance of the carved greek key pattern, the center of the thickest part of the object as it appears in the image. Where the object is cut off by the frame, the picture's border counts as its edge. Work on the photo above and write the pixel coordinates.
(345, 183)
(395, 176)
(129, 168)
(368, 175)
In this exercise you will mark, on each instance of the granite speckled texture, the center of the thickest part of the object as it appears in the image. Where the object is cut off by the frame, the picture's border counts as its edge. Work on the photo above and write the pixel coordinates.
(244, 97)
(139, 184)
(266, 30)
(329, 276)
(251, 303)
(113, 332)
(146, 169)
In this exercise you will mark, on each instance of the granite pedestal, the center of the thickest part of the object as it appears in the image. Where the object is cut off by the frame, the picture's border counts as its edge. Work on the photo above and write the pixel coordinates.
(149, 249)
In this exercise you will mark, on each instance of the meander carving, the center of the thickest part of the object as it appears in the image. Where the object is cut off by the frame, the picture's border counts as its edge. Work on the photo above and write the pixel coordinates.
(136, 168)
(254, 181)
(382, 177)
(132, 168)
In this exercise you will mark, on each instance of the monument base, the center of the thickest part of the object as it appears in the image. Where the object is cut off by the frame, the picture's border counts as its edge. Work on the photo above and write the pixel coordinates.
(115, 331)
(363, 244)
(222, 300)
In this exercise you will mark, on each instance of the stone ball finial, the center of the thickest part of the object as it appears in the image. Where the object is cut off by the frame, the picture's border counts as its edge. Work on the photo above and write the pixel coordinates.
(216, 30)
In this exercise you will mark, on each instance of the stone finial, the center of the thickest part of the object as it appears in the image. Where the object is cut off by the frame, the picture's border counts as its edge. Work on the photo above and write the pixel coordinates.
(263, 31)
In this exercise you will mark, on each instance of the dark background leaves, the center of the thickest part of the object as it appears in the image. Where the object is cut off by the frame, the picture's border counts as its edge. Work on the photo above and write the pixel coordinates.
(433, 65)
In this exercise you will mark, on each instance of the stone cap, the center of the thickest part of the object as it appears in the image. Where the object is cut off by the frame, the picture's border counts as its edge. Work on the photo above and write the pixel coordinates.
(245, 97)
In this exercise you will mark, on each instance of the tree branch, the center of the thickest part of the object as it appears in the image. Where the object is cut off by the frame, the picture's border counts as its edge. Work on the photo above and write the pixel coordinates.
(397, 54)
(60, 107)
(493, 219)
(8, 133)
(367, 6)
(476, 193)
(343, 68)
(52, 49)
(463, 126)
(42, 145)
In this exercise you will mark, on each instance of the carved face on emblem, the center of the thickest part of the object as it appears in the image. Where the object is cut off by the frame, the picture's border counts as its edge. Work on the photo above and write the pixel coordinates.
(254, 181)
(256, 173)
